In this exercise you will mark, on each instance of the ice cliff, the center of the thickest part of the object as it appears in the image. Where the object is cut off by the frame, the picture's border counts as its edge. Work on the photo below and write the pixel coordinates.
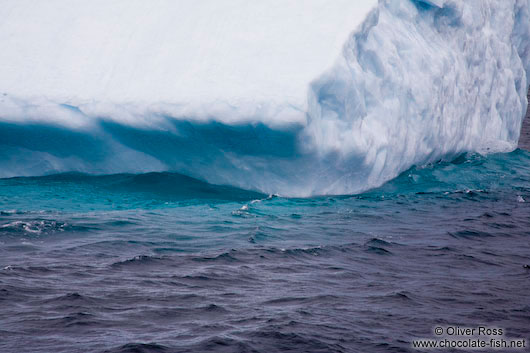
(291, 97)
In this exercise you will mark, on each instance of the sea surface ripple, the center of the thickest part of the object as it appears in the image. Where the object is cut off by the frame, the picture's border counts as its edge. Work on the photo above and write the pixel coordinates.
(160, 262)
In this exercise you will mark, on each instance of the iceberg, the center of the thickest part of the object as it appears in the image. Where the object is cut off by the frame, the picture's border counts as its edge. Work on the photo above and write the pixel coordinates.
(291, 97)
(227, 60)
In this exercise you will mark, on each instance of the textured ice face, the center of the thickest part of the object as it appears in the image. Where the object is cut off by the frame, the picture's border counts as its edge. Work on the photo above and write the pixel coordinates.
(437, 3)
(212, 89)
(420, 83)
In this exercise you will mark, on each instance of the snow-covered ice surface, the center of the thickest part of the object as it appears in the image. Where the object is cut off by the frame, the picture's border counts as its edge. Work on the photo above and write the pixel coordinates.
(228, 60)
(290, 97)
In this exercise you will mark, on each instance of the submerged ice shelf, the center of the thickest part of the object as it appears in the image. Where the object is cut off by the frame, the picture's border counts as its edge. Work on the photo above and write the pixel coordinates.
(291, 97)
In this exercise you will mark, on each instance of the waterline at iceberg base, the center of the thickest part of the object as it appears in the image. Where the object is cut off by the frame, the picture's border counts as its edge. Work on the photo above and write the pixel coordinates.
(206, 176)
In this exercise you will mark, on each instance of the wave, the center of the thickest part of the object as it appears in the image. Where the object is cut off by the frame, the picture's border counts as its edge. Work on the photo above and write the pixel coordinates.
(469, 177)
(163, 186)
(415, 83)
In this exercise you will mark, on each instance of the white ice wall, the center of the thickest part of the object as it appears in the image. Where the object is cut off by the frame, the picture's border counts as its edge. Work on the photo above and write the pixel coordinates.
(374, 87)
(227, 59)
(422, 81)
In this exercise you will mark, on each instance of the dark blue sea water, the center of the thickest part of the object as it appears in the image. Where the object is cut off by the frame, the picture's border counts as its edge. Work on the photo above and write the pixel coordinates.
(161, 262)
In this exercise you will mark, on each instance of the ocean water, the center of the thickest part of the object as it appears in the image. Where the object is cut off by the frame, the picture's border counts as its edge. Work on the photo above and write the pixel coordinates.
(160, 262)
